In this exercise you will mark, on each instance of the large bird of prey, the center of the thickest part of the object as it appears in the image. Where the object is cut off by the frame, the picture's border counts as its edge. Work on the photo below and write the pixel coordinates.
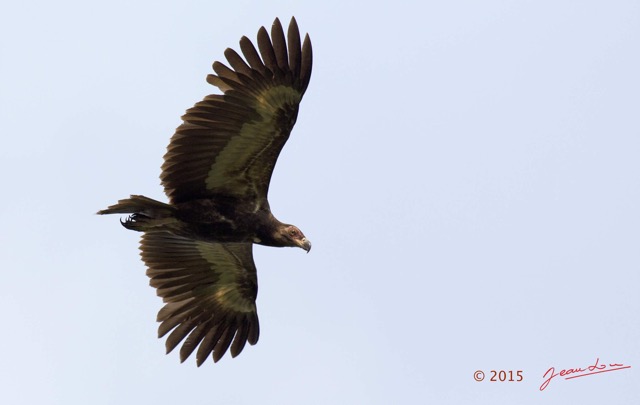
(216, 173)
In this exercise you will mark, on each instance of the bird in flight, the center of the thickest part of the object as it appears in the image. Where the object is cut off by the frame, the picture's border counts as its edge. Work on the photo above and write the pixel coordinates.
(216, 174)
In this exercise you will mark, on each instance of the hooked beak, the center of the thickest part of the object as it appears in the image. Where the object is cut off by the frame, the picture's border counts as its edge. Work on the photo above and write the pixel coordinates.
(305, 244)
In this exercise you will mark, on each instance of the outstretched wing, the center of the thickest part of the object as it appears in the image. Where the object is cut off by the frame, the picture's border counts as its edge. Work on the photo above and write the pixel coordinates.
(210, 293)
(229, 144)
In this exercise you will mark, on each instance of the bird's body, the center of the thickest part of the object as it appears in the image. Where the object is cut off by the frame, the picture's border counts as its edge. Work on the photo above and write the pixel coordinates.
(221, 219)
(210, 219)
(216, 173)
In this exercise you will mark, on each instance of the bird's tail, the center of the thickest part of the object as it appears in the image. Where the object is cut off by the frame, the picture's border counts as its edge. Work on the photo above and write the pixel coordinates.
(146, 213)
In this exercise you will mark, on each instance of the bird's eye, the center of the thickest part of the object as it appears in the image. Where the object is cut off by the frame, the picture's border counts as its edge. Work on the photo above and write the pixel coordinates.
(292, 232)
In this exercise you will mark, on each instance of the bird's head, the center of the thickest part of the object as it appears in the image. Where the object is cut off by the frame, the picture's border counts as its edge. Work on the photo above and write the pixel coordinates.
(290, 235)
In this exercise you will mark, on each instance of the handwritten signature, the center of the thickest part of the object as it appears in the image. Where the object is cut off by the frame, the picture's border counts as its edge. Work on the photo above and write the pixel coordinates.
(570, 373)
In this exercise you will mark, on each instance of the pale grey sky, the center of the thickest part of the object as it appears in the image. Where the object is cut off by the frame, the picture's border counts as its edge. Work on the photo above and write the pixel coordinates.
(467, 171)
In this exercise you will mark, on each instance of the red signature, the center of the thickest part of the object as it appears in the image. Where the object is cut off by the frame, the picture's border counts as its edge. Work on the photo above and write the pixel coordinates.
(570, 373)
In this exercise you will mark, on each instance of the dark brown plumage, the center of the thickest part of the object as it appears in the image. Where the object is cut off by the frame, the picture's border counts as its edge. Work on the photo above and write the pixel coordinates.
(216, 173)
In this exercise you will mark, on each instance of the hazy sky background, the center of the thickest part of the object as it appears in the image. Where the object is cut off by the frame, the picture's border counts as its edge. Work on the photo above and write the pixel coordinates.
(467, 171)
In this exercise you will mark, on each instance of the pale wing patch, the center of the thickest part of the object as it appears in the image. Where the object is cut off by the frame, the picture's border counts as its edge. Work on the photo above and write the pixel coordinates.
(227, 291)
(229, 171)
(275, 98)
